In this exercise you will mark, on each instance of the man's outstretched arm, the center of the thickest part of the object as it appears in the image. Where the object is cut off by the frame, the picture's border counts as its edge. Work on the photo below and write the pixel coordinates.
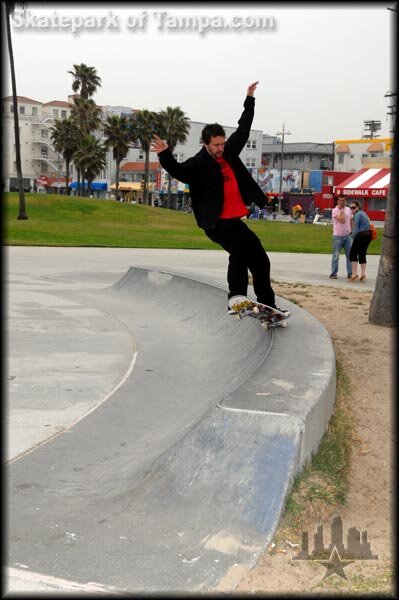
(239, 138)
(180, 171)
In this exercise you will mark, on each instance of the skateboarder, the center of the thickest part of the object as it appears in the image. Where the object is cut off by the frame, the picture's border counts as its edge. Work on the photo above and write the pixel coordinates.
(221, 188)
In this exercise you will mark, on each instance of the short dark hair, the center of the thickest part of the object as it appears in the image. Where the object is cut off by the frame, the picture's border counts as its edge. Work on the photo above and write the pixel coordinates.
(212, 130)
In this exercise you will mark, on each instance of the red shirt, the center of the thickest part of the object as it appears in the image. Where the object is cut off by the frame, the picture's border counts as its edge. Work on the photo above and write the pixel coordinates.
(233, 203)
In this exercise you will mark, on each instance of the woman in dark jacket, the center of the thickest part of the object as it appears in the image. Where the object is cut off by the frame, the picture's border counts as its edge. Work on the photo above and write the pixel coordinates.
(361, 234)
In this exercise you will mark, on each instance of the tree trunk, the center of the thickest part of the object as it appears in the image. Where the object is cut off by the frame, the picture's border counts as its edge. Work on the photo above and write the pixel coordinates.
(146, 170)
(22, 215)
(383, 308)
(68, 191)
(117, 180)
(169, 203)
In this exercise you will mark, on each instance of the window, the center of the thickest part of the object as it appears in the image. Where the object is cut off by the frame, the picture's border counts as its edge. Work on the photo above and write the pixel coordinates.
(55, 112)
(34, 111)
(44, 152)
(44, 134)
(250, 162)
(365, 155)
(310, 158)
(141, 155)
(328, 180)
(11, 108)
(251, 144)
(376, 203)
(179, 156)
(44, 167)
(63, 114)
(22, 110)
(340, 158)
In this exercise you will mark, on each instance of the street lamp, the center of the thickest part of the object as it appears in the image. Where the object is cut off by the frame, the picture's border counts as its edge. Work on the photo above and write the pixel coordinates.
(280, 195)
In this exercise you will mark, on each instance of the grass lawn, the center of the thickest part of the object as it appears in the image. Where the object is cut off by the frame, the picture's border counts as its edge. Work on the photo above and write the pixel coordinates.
(62, 221)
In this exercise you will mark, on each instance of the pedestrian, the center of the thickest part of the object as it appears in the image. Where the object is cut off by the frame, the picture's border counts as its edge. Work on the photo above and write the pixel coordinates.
(361, 235)
(342, 227)
(221, 188)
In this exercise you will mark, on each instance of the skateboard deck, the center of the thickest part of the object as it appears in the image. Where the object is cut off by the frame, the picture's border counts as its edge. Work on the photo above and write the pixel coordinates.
(269, 317)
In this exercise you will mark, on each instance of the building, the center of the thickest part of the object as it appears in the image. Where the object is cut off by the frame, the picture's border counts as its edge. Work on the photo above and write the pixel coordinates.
(353, 155)
(38, 156)
(131, 178)
(44, 169)
(298, 156)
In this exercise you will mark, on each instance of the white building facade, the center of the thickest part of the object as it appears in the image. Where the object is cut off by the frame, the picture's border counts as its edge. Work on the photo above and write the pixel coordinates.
(41, 163)
(352, 155)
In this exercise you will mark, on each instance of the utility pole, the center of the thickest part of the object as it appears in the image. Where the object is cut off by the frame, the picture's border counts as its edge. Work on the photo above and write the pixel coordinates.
(283, 133)
(392, 107)
(371, 127)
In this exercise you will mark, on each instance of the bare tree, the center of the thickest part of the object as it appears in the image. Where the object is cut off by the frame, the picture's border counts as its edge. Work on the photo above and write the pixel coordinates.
(383, 308)
(9, 9)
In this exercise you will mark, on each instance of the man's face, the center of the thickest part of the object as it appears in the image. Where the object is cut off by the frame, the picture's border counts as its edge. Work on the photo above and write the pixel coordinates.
(341, 202)
(216, 146)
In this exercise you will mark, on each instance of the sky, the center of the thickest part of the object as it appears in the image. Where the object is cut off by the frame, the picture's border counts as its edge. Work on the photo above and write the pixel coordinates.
(323, 69)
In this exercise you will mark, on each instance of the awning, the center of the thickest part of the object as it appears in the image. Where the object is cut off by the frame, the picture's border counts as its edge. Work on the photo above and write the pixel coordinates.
(366, 183)
(134, 186)
(95, 185)
(342, 149)
(375, 147)
(127, 185)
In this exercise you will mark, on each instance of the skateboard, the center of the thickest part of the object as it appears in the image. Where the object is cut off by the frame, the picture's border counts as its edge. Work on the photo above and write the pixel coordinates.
(269, 317)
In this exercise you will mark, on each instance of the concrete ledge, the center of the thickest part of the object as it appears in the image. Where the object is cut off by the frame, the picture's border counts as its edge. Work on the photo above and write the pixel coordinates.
(184, 471)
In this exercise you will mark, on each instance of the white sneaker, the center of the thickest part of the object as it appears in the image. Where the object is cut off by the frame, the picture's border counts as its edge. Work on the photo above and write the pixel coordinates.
(237, 303)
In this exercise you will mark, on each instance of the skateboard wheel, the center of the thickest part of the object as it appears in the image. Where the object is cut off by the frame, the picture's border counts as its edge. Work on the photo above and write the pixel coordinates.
(255, 309)
(283, 323)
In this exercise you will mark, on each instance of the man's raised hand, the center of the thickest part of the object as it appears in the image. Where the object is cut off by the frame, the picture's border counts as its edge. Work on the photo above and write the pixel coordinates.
(158, 145)
(252, 88)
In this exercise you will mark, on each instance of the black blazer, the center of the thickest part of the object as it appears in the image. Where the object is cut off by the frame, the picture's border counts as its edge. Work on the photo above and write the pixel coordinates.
(204, 176)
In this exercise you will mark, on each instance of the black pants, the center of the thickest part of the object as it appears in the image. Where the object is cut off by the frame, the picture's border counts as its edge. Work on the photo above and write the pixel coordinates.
(246, 252)
(359, 247)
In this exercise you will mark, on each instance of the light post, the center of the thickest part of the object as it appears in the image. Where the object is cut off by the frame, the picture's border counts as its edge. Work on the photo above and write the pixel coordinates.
(280, 195)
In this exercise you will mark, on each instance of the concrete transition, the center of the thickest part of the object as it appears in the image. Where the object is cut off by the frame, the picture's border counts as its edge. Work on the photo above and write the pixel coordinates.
(184, 470)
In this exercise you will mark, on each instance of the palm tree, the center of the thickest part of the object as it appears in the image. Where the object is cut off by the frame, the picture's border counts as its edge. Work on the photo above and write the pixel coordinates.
(118, 138)
(90, 158)
(87, 117)
(383, 308)
(85, 79)
(86, 114)
(10, 8)
(65, 137)
(142, 126)
(175, 128)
